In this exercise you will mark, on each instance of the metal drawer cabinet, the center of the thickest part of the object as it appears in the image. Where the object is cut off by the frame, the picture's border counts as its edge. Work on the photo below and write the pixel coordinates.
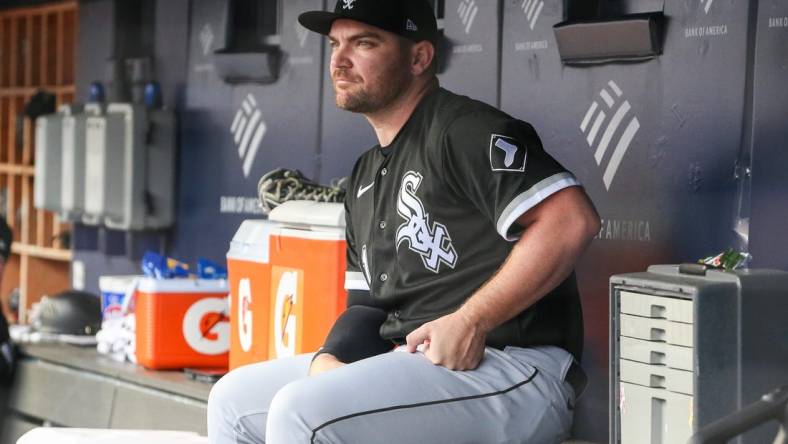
(687, 349)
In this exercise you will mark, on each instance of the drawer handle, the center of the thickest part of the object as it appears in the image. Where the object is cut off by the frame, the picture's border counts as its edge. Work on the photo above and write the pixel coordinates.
(657, 334)
(657, 358)
(658, 311)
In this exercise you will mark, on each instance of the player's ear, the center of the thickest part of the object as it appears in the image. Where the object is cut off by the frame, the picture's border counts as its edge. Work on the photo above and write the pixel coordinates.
(422, 54)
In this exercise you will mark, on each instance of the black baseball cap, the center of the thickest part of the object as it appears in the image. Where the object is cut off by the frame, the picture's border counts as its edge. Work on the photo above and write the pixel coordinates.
(412, 19)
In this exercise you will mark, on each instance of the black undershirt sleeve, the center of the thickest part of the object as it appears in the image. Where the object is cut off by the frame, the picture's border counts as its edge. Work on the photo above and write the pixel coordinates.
(359, 297)
(356, 335)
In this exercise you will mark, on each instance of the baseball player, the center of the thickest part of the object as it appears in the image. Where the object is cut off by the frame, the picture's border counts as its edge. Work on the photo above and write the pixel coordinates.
(464, 323)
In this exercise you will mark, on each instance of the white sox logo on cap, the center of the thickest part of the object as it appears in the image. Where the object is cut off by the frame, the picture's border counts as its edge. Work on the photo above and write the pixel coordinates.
(412, 19)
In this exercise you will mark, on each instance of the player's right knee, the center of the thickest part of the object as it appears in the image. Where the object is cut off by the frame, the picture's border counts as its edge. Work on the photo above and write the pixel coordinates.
(286, 417)
(217, 398)
(220, 417)
(226, 392)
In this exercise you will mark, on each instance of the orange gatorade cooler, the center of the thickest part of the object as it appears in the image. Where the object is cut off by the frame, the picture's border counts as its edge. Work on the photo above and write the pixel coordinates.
(307, 275)
(249, 275)
(182, 323)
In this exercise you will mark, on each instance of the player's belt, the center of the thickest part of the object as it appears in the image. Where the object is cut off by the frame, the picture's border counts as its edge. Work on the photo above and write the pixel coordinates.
(577, 378)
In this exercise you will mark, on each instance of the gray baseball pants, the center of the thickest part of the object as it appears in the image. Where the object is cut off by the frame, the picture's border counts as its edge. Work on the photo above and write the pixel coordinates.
(516, 395)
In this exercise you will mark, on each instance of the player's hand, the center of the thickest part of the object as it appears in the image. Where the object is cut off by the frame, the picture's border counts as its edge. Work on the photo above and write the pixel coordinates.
(324, 363)
(452, 341)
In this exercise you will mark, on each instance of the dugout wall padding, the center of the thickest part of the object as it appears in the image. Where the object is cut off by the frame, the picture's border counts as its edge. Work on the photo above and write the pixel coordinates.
(654, 143)
(471, 48)
(233, 134)
(769, 199)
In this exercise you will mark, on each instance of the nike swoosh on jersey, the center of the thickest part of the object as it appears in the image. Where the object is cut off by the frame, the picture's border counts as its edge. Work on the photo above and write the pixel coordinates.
(363, 190)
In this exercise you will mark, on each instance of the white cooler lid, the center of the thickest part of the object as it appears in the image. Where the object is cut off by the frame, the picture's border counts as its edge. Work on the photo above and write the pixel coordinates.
(251, 240)
(310, 215)
(183, 285)
(117, 284)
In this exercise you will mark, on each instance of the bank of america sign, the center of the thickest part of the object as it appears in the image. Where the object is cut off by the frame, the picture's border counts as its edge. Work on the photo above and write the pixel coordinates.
(608, 125)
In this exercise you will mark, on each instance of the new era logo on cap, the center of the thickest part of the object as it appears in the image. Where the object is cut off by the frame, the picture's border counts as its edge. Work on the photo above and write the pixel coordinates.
(410, 26)
(507, 153)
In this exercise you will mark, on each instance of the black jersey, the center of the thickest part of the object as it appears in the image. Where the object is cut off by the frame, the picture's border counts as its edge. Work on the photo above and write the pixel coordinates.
(431, 217)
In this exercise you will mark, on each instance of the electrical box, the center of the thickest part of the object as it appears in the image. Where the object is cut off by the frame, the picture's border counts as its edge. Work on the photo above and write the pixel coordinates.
(146, 198)
(46, 188)
(130, 168)
(104, 144)
(72, 185)
(128, 199)
(160, 166)
(689, 347)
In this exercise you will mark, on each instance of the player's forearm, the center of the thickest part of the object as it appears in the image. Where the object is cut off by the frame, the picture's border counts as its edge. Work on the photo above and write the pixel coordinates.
(354, 336)
(520, 283)
(324, 362)
(540, 260)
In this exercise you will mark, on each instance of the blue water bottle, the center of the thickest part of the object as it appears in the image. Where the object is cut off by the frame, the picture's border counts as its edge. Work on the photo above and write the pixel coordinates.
(152, 95)
(96, 94)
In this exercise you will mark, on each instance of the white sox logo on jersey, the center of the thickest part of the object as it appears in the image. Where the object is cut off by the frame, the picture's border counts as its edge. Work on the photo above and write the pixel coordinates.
(432, 243)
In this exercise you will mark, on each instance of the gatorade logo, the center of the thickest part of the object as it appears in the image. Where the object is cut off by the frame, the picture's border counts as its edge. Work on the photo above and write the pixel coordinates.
(245, 314)
(285, 314)
(206, 326)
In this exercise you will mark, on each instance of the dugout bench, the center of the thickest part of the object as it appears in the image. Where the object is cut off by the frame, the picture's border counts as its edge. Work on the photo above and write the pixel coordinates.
(63, 385)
